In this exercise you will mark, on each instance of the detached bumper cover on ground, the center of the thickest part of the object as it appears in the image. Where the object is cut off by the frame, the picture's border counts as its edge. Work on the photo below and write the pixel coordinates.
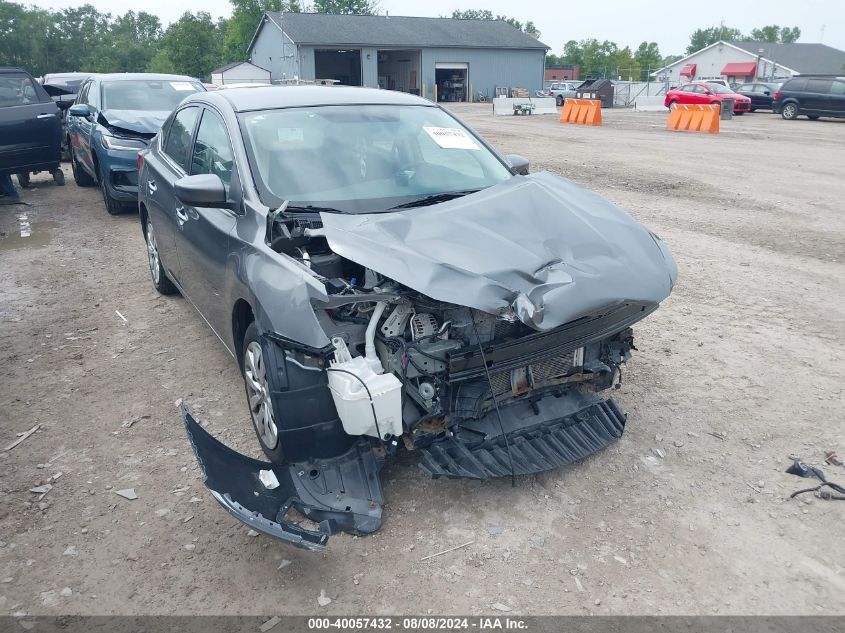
(343, 494)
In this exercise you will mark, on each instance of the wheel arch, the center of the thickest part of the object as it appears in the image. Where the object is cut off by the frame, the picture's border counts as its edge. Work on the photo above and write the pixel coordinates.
(242, 315)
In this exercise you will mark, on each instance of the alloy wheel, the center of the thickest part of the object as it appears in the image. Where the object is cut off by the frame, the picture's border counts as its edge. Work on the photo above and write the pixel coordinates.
(152, 254)
(258, 393)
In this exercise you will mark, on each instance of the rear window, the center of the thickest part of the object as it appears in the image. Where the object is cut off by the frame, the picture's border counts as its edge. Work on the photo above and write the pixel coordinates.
(795, 84)
(838, 88)
(17, 89)
(819, 85)
(147, 95)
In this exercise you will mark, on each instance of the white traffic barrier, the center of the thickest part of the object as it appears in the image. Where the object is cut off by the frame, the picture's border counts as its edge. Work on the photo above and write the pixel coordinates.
(650, 104)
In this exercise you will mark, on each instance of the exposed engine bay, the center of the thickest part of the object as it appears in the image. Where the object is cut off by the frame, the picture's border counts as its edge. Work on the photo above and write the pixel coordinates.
(479, 340)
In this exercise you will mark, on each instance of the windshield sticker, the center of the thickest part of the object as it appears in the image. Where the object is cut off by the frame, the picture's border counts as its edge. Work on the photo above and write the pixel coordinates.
(291, 134)
(451, 138)
(182, 86)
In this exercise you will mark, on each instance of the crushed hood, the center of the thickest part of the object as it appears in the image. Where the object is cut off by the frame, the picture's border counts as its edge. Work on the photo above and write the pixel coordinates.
(539, 245)
(139, 121)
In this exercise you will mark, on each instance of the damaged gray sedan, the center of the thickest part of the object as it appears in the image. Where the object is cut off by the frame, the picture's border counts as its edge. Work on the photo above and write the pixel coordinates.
(386, 281)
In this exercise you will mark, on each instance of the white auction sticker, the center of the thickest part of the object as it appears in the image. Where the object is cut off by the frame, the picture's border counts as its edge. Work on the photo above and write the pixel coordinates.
(451, 138)
(182, 86)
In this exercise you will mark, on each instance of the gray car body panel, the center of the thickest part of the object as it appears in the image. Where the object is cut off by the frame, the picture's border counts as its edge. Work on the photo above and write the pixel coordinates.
(541, 245)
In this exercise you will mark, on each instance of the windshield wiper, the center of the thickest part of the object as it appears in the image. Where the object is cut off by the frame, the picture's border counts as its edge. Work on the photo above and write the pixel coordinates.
(310, 208)
(434, 199)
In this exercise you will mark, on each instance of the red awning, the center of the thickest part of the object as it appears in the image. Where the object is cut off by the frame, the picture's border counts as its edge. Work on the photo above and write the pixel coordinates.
(688, 70)
(740, 69)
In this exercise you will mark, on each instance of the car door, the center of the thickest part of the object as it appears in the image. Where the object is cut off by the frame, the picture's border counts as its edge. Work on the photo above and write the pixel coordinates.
(164, 164)
(837, 97)
(817, 97)
(29, 122)
(84, 128)
(202, 234)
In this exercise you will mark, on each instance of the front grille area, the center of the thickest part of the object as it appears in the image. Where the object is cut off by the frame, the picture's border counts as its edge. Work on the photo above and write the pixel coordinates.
(541, 373)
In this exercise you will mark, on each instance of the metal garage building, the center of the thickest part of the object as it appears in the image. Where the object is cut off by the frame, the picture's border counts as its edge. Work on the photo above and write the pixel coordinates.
(462, 58)
(238, 73)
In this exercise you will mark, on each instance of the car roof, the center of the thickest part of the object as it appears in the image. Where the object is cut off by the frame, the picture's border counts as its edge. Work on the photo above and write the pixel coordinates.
(271, 97)
(142, 76)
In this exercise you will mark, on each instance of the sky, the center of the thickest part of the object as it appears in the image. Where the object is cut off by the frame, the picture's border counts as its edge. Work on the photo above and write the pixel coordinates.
(626, 22)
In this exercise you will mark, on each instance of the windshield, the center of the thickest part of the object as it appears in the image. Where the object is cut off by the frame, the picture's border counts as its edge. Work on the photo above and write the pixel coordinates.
(720, 89)
(147, 95)
(364, 158)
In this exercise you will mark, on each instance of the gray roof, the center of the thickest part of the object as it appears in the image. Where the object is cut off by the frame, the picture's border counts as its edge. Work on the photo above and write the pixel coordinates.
(269, 97)
(325, 29)
(802, 58)
(232, 65)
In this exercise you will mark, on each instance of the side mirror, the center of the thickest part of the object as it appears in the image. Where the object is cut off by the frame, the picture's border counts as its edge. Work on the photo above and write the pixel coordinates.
(64, 105)
(80, 109)
(203, 191)
(518, 164)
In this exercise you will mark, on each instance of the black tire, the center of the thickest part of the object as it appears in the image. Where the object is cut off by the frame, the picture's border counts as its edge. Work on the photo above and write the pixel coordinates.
(672, 104)
(113, 206)
(59, 177)
(813, 117)
(81, 177)
(23, 180)
(789, 111)
(753, 110)
(559, 100)
(161, 281)
(252, 344)
(739, 113)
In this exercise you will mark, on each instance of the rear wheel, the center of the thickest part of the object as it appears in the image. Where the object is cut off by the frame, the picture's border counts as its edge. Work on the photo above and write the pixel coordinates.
(113, 205)
(789, 111)
(258, 395)
(81, 177)
(23, 180)
(59, 177)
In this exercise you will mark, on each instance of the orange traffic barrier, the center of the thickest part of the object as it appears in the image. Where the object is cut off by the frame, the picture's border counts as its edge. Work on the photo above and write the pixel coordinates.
(694, 118)
(582, 111)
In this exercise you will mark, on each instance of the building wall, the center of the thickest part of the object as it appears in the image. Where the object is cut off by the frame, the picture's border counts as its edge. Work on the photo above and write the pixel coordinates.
(709, 64)
(563, 73)
(244, 73)
(488, 68)
(276, 52)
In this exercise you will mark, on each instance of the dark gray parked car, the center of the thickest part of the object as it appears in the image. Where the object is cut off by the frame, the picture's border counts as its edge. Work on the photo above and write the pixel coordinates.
(386, 281)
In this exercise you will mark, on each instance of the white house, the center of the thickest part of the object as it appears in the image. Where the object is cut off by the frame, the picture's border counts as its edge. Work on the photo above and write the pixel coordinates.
(743, 62)
(240, 73)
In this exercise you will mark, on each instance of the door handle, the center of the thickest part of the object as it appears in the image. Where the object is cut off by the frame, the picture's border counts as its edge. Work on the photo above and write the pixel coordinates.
(181, 216)
(151, 186)
(47, 115)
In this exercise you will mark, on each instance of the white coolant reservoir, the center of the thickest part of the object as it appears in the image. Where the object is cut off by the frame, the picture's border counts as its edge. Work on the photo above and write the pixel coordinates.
(347, 377)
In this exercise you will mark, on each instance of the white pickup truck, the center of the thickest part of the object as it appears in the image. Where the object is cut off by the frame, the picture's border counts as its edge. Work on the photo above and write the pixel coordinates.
(563, 90)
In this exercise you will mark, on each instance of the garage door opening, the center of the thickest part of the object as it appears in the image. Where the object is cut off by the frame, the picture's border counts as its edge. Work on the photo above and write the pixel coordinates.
(452, 81)
(399, 70)
(344, 66)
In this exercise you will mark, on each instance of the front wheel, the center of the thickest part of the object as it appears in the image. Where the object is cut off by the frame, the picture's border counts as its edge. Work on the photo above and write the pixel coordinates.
(113, 205)
(672, 104)
(161, 281)
(23, 180)
(813, 117)
(258, 395)
(789, 111)
(59, 177)
(81, 177)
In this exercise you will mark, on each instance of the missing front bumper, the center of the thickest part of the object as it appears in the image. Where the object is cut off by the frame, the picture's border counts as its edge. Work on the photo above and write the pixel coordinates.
(343, 494)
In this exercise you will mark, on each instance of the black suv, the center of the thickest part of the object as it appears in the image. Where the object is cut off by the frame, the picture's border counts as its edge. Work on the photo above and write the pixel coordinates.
(811, 96)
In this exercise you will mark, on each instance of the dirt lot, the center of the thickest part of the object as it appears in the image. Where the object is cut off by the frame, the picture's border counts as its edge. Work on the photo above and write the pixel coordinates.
(688, 513)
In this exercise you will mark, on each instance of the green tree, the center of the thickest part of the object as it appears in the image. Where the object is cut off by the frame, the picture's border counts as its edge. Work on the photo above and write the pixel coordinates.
(486, 14)
(347, 7)
(246, 15)
(130, 45)
(670, 59)
(190, 45)
(597, 59)
(472, 14)
(531, 30)
(75, 38)
(649, 59)
(701, 38)
(775, 33)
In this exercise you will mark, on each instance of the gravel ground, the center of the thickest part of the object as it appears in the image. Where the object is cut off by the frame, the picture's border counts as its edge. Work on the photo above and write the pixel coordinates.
(687, 514)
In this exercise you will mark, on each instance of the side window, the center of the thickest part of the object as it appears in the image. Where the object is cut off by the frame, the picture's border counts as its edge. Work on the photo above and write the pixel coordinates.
(819, 85)
(212, 152)
(796, 84)
(746, 88)
(838, 88)
(82, 97)
(178, 143)
(699, 89)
